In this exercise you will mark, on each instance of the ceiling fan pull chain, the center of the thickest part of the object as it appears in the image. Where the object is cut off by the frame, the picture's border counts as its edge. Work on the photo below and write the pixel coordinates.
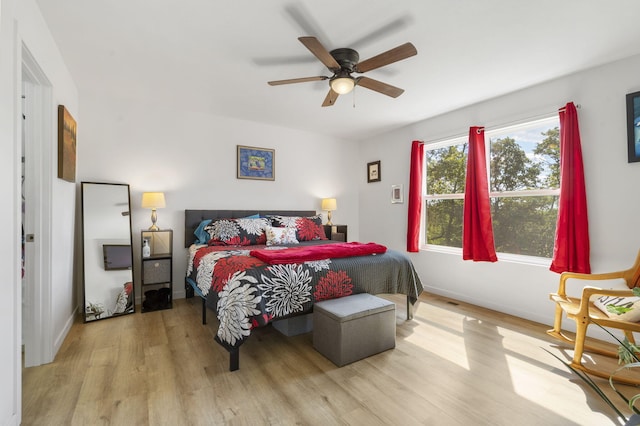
(354, 96)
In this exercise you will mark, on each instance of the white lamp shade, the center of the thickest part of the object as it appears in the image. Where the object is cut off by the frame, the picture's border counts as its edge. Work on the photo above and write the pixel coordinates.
(329, 204)
(153, 200)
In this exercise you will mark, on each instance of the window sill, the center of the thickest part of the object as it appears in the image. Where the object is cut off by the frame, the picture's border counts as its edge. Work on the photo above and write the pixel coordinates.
(502, 257)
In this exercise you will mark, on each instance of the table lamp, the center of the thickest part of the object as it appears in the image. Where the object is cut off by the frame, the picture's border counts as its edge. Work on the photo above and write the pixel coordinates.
(153, 201)
(329, 204)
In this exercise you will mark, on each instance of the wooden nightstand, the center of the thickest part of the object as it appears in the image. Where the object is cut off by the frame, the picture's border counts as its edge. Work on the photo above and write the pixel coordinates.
(157, 270)
(336, 232)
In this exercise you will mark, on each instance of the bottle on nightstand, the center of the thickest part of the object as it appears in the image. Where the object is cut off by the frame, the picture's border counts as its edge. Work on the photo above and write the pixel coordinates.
(146, 250)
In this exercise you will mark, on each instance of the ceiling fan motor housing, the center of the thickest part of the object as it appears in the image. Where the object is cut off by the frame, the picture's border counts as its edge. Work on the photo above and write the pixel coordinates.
(347, 58)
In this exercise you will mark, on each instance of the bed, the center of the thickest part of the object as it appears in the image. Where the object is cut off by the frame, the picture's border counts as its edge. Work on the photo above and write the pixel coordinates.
(250, 279)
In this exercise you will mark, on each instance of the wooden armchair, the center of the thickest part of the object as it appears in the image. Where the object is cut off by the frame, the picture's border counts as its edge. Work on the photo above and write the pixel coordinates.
(584, 312)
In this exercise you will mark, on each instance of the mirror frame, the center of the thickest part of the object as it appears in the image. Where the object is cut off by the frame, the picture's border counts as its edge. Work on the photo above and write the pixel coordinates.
(127, 212)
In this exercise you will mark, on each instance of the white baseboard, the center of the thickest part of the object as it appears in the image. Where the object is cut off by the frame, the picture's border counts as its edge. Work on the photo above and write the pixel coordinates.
(57, 343)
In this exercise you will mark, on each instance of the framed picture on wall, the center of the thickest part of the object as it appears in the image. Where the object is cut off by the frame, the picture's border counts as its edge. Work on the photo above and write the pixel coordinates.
(373, 172)
(66, 145)
(256, 163)
(633, 127)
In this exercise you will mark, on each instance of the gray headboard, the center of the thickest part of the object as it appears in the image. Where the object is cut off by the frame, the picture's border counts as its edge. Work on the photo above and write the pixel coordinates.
(192, 218)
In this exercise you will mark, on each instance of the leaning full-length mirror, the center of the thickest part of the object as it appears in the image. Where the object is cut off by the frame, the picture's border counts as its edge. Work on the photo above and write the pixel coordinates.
(106, 250)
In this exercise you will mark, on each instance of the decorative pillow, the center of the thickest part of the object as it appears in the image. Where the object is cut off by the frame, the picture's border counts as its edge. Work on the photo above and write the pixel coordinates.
(280, 236)
(202, 236)
(239, 232)
(307, 228)
(620, 308)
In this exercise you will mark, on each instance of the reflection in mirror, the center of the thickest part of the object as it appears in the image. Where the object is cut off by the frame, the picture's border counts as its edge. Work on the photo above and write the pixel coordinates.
(106, 250)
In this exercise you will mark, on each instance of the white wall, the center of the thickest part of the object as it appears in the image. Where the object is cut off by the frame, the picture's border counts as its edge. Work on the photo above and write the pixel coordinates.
(612, 190)
(191, 157)
(21, 22)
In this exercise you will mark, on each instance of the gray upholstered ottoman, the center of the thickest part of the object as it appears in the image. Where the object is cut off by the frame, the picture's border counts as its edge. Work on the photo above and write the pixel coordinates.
(353, 327)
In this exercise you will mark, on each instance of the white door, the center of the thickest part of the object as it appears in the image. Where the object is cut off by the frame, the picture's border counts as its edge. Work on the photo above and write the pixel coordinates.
(37, 339)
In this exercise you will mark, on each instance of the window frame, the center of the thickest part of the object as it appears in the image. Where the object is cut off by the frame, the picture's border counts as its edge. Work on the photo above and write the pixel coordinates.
(489, 134)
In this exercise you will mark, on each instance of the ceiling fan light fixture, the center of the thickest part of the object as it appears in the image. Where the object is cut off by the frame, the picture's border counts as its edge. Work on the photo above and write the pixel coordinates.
(342, 62)
(342, 85)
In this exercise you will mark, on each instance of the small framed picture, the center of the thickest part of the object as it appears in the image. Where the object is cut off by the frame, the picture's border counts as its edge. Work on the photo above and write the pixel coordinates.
(256, 163)
(373, 172)
(633, 127)
(397, 194)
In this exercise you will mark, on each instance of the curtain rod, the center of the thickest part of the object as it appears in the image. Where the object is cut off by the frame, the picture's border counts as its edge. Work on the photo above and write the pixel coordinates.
(502, 125)
(564, 108)
(528, 119)
(493, 127)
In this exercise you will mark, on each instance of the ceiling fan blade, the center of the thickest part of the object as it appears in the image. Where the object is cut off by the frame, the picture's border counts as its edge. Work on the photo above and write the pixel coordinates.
(320, 52)
(330, 99)
(380, 87)
(297, 80)
(390, 56)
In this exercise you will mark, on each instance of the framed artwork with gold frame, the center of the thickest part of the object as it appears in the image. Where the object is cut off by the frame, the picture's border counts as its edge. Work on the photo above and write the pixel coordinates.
(256, 163)
(67, 128)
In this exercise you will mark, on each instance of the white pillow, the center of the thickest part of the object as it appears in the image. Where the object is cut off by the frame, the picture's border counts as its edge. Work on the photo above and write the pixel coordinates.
(633, 303)
(280, 236)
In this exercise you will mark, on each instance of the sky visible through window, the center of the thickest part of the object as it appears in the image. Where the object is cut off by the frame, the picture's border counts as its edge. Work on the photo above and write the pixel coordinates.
(527, 138)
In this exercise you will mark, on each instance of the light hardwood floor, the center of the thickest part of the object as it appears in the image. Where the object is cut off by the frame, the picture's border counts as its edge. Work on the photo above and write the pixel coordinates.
(454, 364)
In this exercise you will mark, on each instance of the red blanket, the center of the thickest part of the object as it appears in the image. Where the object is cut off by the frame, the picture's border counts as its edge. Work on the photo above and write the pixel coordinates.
(305, 254)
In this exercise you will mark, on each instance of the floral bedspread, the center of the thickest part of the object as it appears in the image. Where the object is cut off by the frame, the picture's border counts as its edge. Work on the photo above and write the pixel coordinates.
(247, 293)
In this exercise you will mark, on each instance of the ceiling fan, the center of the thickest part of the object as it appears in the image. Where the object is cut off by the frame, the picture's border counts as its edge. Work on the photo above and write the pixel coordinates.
(343, 62)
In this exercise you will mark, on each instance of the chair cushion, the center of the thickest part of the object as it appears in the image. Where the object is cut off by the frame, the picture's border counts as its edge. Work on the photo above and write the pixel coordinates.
(630, 305)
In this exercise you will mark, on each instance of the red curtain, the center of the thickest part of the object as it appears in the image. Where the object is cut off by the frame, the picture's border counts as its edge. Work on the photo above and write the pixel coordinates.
(571, 247)
(415, 196)
(477, 229)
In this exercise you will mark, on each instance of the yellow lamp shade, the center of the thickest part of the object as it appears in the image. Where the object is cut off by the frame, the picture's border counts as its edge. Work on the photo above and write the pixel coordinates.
(329, 204)
(153, 200)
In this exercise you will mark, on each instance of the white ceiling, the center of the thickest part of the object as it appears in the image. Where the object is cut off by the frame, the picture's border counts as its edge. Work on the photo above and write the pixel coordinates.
(216, 57)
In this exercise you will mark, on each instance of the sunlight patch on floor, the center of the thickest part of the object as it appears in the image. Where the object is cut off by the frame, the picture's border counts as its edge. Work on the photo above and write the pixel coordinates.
(455, 345)
(536, 388)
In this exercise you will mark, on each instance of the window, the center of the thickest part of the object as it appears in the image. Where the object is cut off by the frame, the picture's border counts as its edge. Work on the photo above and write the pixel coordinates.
(524, 176)
(445, 178)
